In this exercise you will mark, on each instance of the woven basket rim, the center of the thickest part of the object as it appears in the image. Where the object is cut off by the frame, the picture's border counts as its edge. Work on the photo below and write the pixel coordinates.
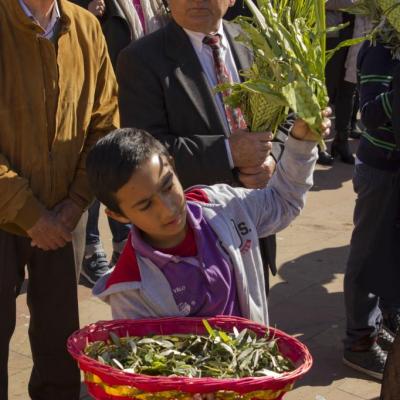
(114, 376)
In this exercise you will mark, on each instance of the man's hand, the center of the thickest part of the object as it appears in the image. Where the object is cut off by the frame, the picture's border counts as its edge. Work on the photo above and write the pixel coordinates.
(249, 149)
(97, 7)
(302, 131)
(49, 233)
(68, 213)
(257, 177)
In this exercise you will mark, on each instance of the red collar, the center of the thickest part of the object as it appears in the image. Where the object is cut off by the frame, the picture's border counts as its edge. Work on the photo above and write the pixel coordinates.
(127, 268)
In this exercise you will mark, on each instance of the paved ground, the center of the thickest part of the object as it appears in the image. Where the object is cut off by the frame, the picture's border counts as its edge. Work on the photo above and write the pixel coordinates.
(306, 298)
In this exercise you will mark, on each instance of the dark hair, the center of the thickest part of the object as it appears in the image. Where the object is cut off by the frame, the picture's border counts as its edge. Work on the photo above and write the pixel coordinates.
(112, 161)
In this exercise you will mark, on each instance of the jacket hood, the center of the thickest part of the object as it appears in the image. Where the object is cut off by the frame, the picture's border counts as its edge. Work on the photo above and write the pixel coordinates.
(102, 290)
(126, 273)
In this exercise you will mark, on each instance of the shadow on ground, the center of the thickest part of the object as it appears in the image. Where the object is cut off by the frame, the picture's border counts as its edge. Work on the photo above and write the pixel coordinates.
(331, 178)
(309, 304)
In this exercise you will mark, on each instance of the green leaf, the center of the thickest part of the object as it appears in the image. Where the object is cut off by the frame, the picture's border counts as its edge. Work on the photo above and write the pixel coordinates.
(345, 43)
(208, 328)
(115, 339)
(224, 337)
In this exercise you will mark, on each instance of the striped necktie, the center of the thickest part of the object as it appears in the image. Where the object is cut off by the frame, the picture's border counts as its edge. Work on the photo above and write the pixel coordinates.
(233, 115)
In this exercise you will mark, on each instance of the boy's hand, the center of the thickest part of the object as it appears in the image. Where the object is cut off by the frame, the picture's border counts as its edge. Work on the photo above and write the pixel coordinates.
(302, 131)
(97, 7)
(249, 149)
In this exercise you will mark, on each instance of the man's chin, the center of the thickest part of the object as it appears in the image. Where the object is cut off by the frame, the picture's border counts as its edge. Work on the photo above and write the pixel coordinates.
(200, 23)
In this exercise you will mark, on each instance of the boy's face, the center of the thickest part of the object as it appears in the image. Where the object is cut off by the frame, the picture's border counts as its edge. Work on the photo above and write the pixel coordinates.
(153, 200)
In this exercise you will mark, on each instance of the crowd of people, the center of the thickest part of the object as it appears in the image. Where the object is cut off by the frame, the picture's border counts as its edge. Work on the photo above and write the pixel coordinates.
(115, 100)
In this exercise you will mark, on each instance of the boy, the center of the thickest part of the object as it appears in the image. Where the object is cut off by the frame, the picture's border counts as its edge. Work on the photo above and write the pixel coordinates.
(193, 253)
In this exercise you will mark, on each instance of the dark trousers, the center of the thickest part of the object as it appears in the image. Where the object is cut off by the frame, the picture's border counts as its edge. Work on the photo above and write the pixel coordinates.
(268, 256)
(119, 231)
(53, 305)
(341, 93)
(344, 107)
(363, 308)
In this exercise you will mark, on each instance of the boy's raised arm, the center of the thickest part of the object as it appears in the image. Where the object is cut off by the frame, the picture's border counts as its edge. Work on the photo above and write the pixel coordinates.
(274, 207)
(277, 205)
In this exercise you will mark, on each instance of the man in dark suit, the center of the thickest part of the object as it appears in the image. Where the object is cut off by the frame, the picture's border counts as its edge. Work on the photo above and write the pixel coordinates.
(167, 82)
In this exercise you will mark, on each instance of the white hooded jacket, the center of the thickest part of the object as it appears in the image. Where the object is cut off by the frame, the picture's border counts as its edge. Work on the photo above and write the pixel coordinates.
(137, 288)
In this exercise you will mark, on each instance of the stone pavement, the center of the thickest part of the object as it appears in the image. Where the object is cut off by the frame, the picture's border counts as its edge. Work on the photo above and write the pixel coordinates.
(306, 298)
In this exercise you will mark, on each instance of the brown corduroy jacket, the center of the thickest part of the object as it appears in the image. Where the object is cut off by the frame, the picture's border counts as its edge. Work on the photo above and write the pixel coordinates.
(56, 100)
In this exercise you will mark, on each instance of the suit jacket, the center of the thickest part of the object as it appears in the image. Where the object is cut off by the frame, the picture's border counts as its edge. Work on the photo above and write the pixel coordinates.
(164, 90)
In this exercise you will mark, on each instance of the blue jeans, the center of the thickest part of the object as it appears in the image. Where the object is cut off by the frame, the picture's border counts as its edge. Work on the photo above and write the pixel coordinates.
(119, 231)
(364, 309)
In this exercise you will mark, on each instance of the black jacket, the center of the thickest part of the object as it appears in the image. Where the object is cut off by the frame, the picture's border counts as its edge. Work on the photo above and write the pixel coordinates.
(377, 68)
(164, 90)
(115, 27)
(238, 9)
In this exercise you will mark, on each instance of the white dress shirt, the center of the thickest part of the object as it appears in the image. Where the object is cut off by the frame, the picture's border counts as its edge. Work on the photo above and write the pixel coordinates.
(205, 56)
(55, 16)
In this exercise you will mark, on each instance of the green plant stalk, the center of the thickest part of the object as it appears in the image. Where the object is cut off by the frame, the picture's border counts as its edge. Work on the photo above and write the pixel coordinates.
(269, 21)
(321, 29)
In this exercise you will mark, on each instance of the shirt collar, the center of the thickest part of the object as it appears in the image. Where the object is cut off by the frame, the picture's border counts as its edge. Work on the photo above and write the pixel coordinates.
(194, 217)
(197, 38)
(55, 16)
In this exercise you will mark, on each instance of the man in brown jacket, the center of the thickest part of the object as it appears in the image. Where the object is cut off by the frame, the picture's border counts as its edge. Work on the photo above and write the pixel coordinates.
(57, 98)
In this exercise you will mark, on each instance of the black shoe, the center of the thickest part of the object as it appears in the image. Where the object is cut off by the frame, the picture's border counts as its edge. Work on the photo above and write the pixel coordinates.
(385, 339)
(371, 362)
(324, 158)
(114, 258)
(341, 149)
(94, 267)
(391, 322)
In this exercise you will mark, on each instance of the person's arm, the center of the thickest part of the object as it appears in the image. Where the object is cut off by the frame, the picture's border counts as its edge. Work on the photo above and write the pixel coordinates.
(376, 95)
(258, 177)
(18, 204)
(274, 207)
(128, 304)
(104, 119)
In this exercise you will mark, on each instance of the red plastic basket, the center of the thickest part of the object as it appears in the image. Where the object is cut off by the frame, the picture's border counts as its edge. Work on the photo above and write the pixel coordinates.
(107, 383)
